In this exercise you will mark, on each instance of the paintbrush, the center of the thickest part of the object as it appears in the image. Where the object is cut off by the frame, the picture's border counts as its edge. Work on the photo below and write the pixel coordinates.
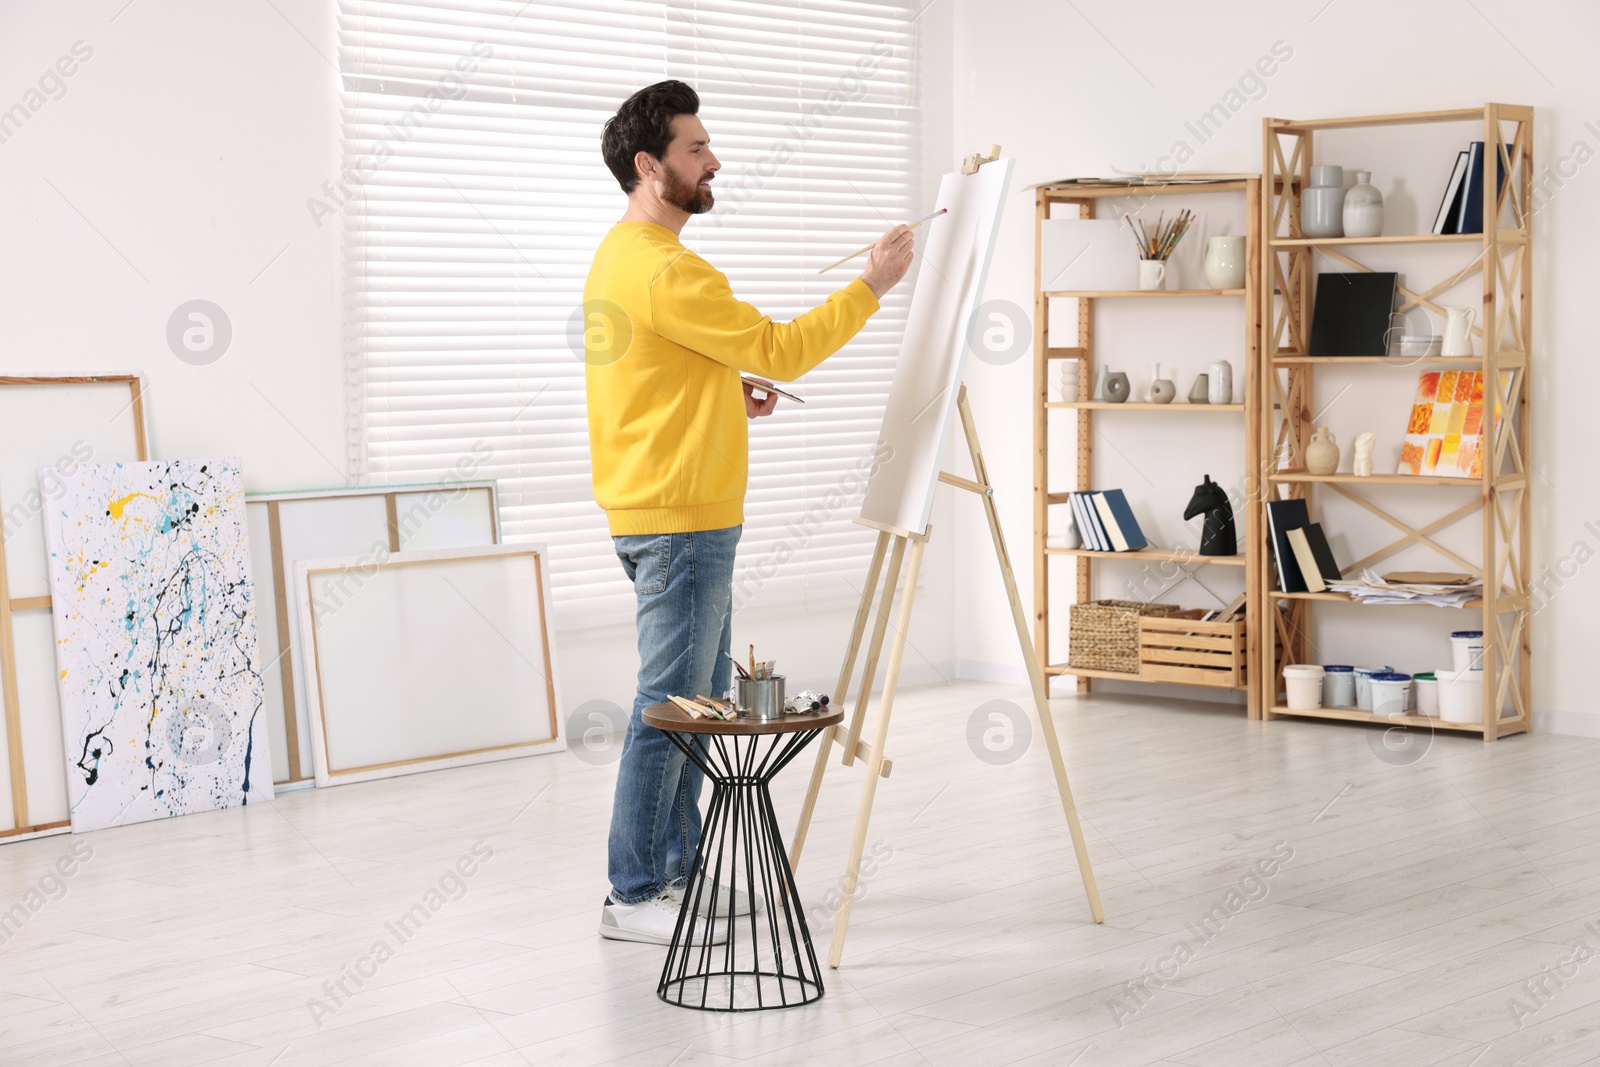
(694, 710)
(874, 244)
(736, 664)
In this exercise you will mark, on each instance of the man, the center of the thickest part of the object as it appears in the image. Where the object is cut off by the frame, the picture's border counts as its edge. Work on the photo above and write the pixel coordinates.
(665, 341)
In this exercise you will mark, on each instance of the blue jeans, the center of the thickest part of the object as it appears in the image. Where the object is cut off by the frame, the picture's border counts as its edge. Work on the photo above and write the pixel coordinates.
(683, 584)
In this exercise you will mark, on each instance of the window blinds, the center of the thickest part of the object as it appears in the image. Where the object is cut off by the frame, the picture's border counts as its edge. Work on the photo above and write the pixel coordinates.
(473, 196)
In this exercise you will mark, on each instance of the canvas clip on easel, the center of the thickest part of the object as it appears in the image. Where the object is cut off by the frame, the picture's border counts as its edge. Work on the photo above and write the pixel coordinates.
(909, 543)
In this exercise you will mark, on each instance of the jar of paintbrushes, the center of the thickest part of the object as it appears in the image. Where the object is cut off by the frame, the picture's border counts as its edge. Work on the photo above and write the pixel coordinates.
(1156, 248)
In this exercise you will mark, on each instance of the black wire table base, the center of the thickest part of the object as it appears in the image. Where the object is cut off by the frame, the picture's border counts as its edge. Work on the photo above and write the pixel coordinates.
(766, 960)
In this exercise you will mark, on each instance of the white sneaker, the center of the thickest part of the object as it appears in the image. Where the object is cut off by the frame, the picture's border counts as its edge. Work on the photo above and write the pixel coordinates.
(739, 900)
(653, 921)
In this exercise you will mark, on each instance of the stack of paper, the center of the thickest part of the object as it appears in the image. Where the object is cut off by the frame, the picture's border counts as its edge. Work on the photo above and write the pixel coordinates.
(1372, 589)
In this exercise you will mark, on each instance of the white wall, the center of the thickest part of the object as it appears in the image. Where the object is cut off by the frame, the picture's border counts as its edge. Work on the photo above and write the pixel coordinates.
(1077, 89)
(177, 165)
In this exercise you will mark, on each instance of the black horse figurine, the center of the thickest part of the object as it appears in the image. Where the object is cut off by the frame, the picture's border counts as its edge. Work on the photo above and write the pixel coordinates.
(1218, 537)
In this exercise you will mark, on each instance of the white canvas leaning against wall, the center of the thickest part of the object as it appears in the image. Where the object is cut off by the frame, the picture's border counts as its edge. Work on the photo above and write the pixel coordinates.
(369, 521)
(156, 654)
(428, 660)
(57, 421)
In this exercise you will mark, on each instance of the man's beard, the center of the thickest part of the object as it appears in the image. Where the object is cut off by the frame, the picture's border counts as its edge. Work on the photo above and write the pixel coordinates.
(686, 196)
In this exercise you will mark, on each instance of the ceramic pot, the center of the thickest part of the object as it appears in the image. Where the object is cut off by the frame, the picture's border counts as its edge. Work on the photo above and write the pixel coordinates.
(1322, 203)
(1116, 387)
(1100, 386)
(1225, 262)
(1219, 385)
(1363, 208)
(1322, 454)
(1152, 274)
(1200, 393)
(1069, 380)
(1161, 389)
(1070, 537)
(1457, 331)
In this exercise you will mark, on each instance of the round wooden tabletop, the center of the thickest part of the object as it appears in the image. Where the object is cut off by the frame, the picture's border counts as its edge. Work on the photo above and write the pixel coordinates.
(671, 717)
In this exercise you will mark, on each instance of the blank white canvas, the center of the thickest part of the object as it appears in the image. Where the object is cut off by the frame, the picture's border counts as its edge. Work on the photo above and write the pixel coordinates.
(351, 522)
(933, 354)
(60, 426)
(433, 659)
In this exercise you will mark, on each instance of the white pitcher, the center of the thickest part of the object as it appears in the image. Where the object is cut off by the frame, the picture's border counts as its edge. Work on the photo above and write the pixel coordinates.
(1457, 331)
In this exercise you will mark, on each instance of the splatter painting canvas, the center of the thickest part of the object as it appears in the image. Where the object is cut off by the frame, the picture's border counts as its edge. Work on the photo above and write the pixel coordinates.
(154, 611)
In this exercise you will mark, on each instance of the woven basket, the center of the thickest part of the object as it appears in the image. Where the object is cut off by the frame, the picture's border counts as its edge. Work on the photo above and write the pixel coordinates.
(1104, 634)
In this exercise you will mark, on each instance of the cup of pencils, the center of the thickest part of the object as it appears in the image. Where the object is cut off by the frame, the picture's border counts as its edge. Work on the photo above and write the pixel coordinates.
(1154, 250)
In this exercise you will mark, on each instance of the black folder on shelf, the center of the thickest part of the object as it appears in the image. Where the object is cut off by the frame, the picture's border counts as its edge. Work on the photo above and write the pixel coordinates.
(1351, 315)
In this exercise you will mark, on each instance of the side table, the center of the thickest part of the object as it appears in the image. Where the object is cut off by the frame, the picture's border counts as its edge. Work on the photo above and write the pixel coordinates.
(767, 960)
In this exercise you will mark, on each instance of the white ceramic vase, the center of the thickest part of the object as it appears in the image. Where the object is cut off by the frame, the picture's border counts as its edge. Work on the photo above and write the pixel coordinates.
(1322, 453)
(1322, 203)
(1363, 208)
(1219, 382)
(1225, 262)
(1162, 390)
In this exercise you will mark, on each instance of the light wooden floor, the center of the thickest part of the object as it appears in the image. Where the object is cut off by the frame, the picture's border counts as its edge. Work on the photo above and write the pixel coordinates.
(1421, 895)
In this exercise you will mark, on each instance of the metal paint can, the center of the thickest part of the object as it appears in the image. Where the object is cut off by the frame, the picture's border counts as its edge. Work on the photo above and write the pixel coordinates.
(761, 698)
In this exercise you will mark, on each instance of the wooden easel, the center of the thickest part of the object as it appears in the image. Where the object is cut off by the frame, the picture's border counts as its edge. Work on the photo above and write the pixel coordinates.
(878, 766)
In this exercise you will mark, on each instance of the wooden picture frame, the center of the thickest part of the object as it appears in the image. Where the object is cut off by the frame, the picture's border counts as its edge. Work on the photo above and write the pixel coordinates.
(478, 652)
(22, 820)
(387, 520)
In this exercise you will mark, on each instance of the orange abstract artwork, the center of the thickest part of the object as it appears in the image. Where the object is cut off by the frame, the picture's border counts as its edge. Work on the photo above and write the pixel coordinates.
(1444, 432)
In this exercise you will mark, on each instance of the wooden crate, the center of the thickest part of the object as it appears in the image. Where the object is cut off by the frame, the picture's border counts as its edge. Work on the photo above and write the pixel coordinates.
(1192, 652)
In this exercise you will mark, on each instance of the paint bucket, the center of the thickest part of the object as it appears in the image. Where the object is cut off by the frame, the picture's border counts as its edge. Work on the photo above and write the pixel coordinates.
(1364, 685)
(1390, 691)
(1303, 683)
(1339, 685)
(1427, 688)
(1460, 696)
(1468, 648)
(761, 698)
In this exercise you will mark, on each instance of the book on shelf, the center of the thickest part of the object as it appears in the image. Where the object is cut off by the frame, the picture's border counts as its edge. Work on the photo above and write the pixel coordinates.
(1444, 221)
(1106, 522)
(1470, 218)
(1322, 552)
(1351, 314)
(1127, 525)
(1283, 516)
(1119, 543)
(1314, 557)
(1087, 525)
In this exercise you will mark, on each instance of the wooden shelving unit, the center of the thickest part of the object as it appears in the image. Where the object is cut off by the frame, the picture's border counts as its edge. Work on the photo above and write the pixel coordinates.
(1085, 199)
(1286, 399)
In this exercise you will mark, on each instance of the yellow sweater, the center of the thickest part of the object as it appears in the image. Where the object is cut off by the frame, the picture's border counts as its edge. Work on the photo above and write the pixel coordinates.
(665, 340)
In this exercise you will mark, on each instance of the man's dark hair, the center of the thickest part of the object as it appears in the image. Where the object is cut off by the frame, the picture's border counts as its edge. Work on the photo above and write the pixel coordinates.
(644, 124)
